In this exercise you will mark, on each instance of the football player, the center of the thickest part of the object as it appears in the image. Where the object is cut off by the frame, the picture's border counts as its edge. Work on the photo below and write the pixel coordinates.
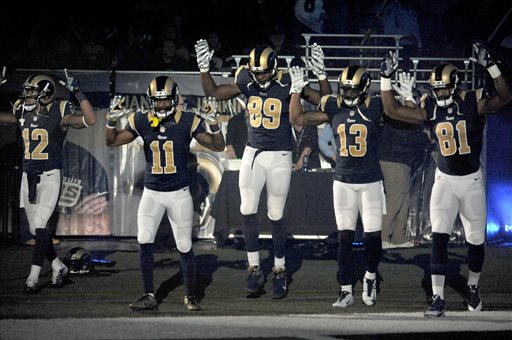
(267, 158)
(357, 186)
(456, 119)
(44, 123)
(167, 132)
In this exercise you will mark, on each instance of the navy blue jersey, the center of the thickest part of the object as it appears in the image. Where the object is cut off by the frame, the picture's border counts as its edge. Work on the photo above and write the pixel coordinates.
(43, 136)
(269, 116)
(166, 148)
(458, 130)
(356, 131)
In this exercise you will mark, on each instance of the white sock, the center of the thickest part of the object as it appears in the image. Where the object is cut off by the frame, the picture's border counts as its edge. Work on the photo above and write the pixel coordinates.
(57, 264)
(253, 257)
(347, 288)
(280, 263)
(473, 278)
(370, 276)
(438, 285)
(34, 272)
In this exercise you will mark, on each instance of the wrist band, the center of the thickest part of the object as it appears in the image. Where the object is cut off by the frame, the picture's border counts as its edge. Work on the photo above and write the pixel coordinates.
(204, 70)
(215, 129)
(110, 127)
(494, 71)
(80, 96)
(385, 84)
(83, 119)
(321, 76)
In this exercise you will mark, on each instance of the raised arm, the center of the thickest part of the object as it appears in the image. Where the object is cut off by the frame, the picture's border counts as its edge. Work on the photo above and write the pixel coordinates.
(88, 116)
(316, 65)
(214, 140)
(297, 115)
(222, 92)
(6, 118)
(113, 137)
(392, 107)
(503, 94)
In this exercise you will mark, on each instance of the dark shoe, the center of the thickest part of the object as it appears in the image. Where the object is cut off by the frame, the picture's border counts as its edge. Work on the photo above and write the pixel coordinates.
(31, 286)
(279, 283)
(254, 281)
(436, 309)
(146, 302)
(474, 302)
(60, 277)
(191, 303)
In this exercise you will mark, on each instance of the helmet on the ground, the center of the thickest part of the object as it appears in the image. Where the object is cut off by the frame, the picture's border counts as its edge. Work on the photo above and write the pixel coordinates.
(78, 260)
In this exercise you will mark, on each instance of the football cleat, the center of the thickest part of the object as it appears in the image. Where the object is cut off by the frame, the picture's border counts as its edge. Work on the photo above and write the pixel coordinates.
(436, 309)
(346, 299)
(254, 281)
(279, 283)
(60, 277)
(31, 286)
(191, 303)
(369, 292)
(474, 302)
(146, 302)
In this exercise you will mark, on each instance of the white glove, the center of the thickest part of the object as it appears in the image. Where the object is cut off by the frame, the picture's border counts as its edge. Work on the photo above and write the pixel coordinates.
(299, 80)
(388, 65)
(316, 64)
(117, 109)
(3, 80)
(208, 111)
(71, 82)
(406, 86)
(203, 55)
(483, 56)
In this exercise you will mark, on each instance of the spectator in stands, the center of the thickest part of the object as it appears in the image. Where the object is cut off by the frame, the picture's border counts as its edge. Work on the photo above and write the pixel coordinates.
(222, 59)
(304, 148)
(167, 58)
(327, 145)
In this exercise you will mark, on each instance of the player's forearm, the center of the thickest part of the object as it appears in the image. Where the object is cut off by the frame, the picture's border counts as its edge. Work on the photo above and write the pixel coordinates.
(87, 109)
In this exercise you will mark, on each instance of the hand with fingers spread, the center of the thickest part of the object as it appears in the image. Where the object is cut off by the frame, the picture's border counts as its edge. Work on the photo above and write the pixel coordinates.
(482, 55)
(299, 80)
(71, 82)
(203, 55)
(316, 63)
(117, 108)
(389, 65)
(3, 80)
(208, 111)
(406, 86)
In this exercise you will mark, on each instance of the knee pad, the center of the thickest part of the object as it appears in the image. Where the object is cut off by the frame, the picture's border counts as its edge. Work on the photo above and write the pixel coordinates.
(373, 224)
(145, 234)
(248, 208)
(184, 245)
(275, 214)
(476, 237)
(345, 223)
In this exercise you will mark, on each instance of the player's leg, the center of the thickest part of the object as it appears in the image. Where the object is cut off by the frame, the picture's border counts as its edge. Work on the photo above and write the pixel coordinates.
(251, 181)
(444, 207)
(278, 173)
(149, 215)
(346, 212)
(371, 206)
(180, 211)
(473, 216)
(38, 214)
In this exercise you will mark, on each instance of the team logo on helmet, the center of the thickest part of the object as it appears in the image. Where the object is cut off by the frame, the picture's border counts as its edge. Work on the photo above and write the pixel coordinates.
(38, 88)
(263, 60)
(444, 76)
(160, 89)
(353, 85)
